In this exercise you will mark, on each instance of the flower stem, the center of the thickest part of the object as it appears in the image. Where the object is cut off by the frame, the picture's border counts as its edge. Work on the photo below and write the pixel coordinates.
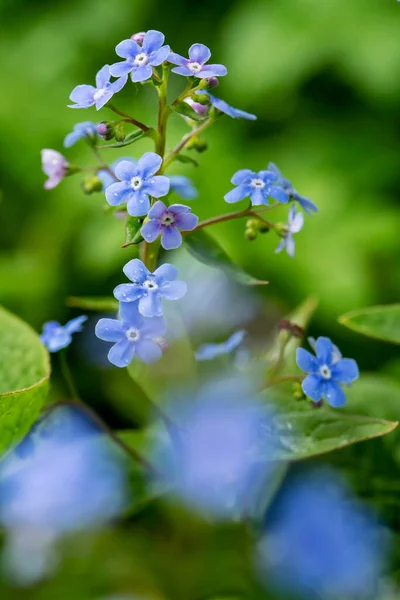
(248, 212)
(185, 140)
(129, 119)
(66, 372)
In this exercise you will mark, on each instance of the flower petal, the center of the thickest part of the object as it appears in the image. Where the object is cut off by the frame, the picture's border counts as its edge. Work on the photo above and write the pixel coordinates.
(173, 290)
(109, 330)
(243, 176)
(136, 271)
(183, 186)
(75, 325)
(164, 273)
(130, 315)
(297, 223)
(148, 351)
(117, 193)
(177, 59)
(186, 221)
(334, 394)
(149, 164)
(153, 40)
(171, 238)
(258, 197)
(345, 370)
(83, 96)
(121, 355)
(150, 305)
(183, 71)
(138, 204)
(151, 230)
(324, 350)
(103, 77)
(154, 328)
(117, 86)
(125, 170)
(128, 292)
(104, 99)
(157, 186)
(120, 69)
(157, 210)
(306, 361)
(178, 209)
(278, 194)
(213, 71)
(313, 386)
(160, 56)
(237, 194)
(290, 245)
(281, 246)
(128, 49)
(142, 73)
(199, 53)
(234, 340)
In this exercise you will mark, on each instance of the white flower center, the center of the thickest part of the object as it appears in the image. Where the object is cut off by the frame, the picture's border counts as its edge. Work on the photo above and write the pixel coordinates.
(195, 67)
(150, 285)
(258, 184)
(99, 94)
(167, 219)
(136, 183)
(325, 372)
(132, 335)
(141, 59)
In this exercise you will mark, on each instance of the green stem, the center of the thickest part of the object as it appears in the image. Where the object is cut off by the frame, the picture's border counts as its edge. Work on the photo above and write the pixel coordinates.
(129, 119)
(66, 372)
(185, 140)
(104, 165)
(248, 212)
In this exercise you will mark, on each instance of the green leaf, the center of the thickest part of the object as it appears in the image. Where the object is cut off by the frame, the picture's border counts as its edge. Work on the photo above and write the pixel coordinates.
(106, 304)
(187, 111)
(379, 322)
(133, 226)
(132, 137)
(24, 378)
(185, 159)
(208, 251)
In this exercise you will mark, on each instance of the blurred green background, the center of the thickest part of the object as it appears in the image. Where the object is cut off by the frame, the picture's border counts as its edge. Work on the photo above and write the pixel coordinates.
(322, 78)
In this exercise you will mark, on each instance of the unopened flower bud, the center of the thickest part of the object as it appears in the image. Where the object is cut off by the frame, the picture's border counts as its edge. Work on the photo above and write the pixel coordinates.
(119, 132)
(252, 224)
(250, 234)
(92, 184)
(106, 130)
(138, 37)
(197, 144)
(201, 109)
(263, 227)
(297, 391)
(209, 84)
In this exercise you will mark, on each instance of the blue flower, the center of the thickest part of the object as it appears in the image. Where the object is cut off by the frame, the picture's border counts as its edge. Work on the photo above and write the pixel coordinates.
(137, 183)
(307, 204)
(211, 351)
(195, 65)
(55, 336)
(183, 186)
(140, 60)
(55, 166)
(167, 222)
(132, 336)
(86, 130)
(105, 176)
(259, 186)
(321, 542)
(294, 225)
(224, 107)
(327, 372)
(87, 95)
(149, 288)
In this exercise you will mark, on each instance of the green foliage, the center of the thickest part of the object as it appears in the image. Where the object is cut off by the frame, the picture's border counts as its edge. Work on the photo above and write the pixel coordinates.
(107, 304)
(379, 322)
(24, 378)
(132, 137)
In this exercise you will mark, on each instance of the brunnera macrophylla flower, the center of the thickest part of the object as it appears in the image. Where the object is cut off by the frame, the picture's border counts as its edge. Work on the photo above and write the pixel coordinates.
(85, 96)
(137, 182)
(55, 166)
(294, 225)
(224, 107)
(55, 336)
(132, 335)
(140, 59)
(306, 204)
(86, 130)
(168, 222)
(327, 372)
(195, 65)
(258, 186)
(107, 178)
(322, 541)
(211, 351)
(148, 289)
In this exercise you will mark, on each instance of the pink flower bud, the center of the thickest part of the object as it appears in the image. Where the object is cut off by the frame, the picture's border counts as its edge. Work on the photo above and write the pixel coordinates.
(201, 109)
(138, 37)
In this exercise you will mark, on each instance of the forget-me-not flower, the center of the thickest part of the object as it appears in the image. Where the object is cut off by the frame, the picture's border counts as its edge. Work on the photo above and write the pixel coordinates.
(85, 96)
(149, 288)
(258, 186)
(140, 59)
(168, 222)
(224, 107)
(195, 65)
(132, 335)
(183, 186)
(55, 166)
(294, 225)
(327, 371)
(137, 183)
(86, 130)
(307, 204)
(105, 176)
(211, 351)
(55, 336)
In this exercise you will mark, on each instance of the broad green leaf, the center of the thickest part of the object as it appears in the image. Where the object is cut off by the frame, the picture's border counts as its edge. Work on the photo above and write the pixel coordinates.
(132, 137)
(208, 251)
(24, 378)
(379, 322)
(101, 304)
(187, 111)
(133, 226)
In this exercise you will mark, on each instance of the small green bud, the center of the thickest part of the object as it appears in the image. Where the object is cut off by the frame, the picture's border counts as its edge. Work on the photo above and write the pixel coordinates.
(119, 132)
(202, 99)
(71, 170)
(209, 83)
(92, 184)
(281, 228)
(250, 234)
(253, 224)
(198, 144)
(297, 391)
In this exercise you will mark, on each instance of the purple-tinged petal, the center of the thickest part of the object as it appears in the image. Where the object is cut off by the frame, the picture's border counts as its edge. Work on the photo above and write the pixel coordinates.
(237, 194)
(334, 394)
(213, 71)
(177, 59)
(164, 273)
(278, 194)
(297, 223)
(153, 40)
(313, 386)
(142, 73)
(75, 325)
(128, 49)
(182, 71)
(109, 330)
(121, 69)
(148, 351)
(149, 164)
(281, 246)
(103, 77)
(122, 354)
(83, 96)
(345, 370)
(125, 170)
(173, 290)
(102, 101)
(72, 138)
(151, 230)
(243, 176)
(117, 86)
(118, 193)
(267, 176)
(186, 222)
(138, 204)
(324, 350)
(154, 328)
(199, 53)
(290, 245)
(128, 292)
(136, 271)
(171, 238)
(157, 186)
(306, 361)
(258, 197)
(129, 313)
(160, 56)
(179, 209)
(150, 305)
(157, 210)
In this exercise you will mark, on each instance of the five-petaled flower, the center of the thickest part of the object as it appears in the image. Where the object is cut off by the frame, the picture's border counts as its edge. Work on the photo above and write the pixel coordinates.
(137, 183)
(327, 371)
(86, 130)
(259, 186)
(149, 288)
(55, 166)
(56, 336)
(85, 96)
(211, 351)
(140, 60)
(224, 107)
(167, 221)
(195, 65)
(307, 205)
(294, 225)
(132, 335)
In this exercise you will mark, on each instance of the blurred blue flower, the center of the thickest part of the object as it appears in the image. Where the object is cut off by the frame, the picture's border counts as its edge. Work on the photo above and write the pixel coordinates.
(132, 335)
(294, 225)
(137, 183)
(211, 351)
(307, 204)
(149, 288)
(195, 65)
(55, 336)
(183, 186)
(140, 60)
(168, 222)
(224, 107)
(259, 186)
(327, 372)
(87, 95)
(321, 542)
(55, 166)
(86, 130)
